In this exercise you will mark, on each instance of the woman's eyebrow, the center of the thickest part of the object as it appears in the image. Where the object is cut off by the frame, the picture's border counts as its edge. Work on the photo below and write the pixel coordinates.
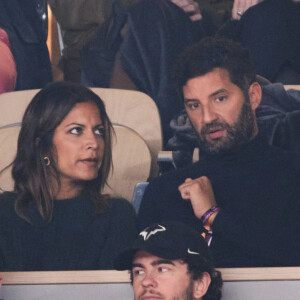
(82, 125)
(74, 123)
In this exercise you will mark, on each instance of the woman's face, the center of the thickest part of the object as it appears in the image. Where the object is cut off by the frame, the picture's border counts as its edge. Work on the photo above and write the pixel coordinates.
(79, 143)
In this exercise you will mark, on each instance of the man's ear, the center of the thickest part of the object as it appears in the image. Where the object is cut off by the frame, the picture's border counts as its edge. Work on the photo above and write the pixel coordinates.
(201, 286)
(255, 95)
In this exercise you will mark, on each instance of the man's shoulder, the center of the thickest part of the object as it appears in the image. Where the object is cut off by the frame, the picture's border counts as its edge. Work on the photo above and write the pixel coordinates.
(280, 160)
(288, 158)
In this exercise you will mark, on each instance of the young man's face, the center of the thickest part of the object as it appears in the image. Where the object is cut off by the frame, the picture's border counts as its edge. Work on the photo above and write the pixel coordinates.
(157, 278)
(220, 114)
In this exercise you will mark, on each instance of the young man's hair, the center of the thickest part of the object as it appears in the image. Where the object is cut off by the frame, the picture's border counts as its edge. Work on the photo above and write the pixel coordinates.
(215, 52)
(214, 291)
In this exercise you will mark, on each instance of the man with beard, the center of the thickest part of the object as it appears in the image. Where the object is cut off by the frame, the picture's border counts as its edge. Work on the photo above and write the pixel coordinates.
(168, 261)
(242, 194)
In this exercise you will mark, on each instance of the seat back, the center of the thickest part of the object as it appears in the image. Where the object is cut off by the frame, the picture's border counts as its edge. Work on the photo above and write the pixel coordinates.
(130, 156)
(13, 106)
(132, 109)
(293, 87)
(137, 111)
(131, 159)
(8, 148)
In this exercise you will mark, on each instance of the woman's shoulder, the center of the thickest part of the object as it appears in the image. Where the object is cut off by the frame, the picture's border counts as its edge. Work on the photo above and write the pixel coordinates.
(7, 202)
(121, 211)
(7, 198)
(120, 204)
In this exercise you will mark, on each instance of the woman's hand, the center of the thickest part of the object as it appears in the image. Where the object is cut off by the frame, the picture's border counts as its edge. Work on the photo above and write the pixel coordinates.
(240, 6)
(199, 191)
(190, 7)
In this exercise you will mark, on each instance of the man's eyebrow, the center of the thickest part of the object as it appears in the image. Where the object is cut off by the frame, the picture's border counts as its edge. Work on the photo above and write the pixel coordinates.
(154, 263)
(186, 100)
(189, 100)
(162, 261)
(217, 92)
(137, 266)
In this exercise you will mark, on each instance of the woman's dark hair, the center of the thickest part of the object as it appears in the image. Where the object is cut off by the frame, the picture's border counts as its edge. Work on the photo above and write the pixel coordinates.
(216, 52)
(45, 112)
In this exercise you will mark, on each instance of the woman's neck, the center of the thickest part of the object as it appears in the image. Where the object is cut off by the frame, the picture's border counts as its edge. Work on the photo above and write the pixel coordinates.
(69, 190)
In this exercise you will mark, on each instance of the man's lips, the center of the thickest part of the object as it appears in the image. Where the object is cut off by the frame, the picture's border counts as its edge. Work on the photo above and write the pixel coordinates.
(216, 134)
(150, 297)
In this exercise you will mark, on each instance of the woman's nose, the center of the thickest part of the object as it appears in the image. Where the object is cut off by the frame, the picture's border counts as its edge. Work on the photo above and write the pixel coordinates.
(91, 141)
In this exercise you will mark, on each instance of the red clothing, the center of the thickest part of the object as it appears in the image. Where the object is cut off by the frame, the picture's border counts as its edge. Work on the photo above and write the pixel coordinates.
(8, 72)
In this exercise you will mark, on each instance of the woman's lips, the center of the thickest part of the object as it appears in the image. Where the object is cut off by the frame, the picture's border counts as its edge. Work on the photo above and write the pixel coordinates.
(90, 161)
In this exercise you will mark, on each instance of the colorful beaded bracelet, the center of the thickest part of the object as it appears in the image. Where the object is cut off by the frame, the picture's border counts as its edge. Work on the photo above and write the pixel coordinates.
(208, 214)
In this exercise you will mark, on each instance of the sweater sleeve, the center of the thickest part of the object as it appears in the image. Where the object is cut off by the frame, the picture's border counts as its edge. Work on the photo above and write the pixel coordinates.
(122, 231)
(267, 240)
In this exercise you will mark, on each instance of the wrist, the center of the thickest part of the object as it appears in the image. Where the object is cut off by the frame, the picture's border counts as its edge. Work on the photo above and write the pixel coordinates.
(208, 217)
(212, 217)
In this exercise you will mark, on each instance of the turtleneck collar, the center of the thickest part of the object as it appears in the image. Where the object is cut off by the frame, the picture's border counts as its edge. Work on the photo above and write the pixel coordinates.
(255, 145)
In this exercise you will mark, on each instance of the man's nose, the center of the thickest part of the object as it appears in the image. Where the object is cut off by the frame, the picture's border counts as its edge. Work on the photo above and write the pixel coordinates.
(149, 280)
(208, 114)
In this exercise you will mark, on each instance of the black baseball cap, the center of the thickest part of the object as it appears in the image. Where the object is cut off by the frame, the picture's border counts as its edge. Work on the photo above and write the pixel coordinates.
(168, 240)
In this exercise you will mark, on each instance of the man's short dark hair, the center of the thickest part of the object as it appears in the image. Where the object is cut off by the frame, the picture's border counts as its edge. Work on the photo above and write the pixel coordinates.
(214, 289)
(215, 52)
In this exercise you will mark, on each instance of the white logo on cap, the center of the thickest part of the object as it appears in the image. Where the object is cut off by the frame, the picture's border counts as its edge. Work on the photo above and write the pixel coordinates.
(145, 234)
(192, 252)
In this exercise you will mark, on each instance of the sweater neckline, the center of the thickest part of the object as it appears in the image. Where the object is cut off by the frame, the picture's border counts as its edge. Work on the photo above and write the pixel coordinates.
(256, 145)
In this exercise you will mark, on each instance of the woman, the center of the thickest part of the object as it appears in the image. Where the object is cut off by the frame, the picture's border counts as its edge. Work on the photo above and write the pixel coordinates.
(57, 218)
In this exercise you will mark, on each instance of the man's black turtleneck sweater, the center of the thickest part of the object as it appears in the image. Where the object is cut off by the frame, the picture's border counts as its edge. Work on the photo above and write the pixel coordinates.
(257, 188)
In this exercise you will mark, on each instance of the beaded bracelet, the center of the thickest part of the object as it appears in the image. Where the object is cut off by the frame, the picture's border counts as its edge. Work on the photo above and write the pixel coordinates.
(208, 214)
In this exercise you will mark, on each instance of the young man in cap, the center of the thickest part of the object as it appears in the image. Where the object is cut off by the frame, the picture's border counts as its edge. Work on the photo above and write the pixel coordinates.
(170, 260)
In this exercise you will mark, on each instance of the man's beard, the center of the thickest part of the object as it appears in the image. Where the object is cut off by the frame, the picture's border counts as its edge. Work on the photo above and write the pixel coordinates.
(237, 135)
(188, 294)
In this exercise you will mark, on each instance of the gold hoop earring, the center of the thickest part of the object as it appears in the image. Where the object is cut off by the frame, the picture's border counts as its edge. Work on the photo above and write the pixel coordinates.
(47, 161)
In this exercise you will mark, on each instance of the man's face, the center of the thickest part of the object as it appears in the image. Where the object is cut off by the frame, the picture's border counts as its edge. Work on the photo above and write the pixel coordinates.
(219, 112)
(157, 278)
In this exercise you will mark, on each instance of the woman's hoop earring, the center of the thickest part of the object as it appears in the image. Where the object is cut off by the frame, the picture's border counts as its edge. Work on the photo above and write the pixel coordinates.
(47, 161)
